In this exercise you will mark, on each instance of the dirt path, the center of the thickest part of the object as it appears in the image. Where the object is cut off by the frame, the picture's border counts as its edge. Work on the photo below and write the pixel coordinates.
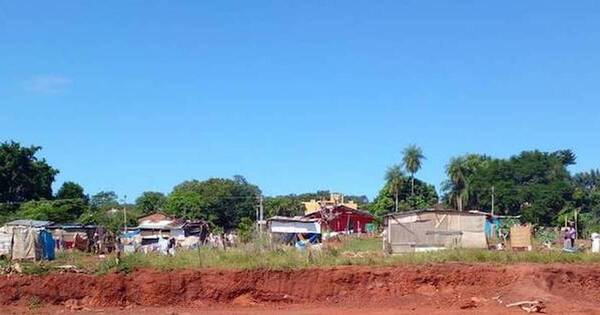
(434, 289)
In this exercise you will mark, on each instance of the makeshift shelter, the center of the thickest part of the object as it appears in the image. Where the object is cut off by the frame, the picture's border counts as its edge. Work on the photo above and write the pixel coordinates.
(342, 219)
(432, 229)
(493, 222)
(289, 230)
(31, 244)
(74, 235)
(159, 225)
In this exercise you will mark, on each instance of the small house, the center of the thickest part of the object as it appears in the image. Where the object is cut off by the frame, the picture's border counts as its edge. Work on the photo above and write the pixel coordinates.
(433, 229)
(342, 219)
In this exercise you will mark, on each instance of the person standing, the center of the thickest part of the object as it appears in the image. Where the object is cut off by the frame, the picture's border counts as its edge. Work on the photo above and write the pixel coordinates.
(573, 234)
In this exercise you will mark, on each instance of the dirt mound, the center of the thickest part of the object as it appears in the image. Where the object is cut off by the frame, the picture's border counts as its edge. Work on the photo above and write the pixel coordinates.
(454, 286)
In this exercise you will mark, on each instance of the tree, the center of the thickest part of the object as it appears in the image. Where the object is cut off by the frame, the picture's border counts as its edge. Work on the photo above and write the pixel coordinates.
(104, 200)
(289, 206)
(23, 176)
(150, 201)
(535, 185)
(222, 202)
(58, 211)
(412, 160)
(245, 230)
(71, 190)
(394, 178)
(457, 184)
(587, 180)
(424, 197)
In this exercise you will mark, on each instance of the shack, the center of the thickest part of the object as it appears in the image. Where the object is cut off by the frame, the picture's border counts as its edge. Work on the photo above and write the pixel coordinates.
(290, 230)
(432, 229)
(76, 235)
(342, 219)
(160, 225)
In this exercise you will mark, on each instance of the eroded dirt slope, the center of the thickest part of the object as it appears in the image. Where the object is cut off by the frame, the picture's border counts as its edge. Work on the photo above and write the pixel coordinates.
(439, 288)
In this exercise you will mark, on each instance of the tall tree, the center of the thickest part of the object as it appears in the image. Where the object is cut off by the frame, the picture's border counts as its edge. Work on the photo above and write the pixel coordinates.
(425, 197)
(150, 201)
(412, 161)
(394, 178)
(71, 190)
(23, 176)
(457, 180)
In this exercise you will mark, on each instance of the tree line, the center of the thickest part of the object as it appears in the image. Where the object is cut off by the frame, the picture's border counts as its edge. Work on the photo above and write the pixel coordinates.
(532, 184)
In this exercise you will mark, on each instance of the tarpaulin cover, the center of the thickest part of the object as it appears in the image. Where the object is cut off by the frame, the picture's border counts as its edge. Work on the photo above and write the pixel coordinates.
(47, 244)
(5, 243)
(24, 244)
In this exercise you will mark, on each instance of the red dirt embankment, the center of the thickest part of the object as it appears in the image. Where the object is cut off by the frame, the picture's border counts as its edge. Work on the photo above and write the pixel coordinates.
(451, 287)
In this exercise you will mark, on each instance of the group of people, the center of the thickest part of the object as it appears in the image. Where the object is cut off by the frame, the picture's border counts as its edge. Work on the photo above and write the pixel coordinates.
(221, 240)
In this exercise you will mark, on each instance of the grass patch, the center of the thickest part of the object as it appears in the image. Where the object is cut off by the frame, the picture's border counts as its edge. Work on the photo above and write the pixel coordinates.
(358, 251)
(293, 259)
(362, 244)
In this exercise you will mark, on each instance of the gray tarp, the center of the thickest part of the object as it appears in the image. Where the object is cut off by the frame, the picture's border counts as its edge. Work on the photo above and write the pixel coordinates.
(5, 243)
(24, 244)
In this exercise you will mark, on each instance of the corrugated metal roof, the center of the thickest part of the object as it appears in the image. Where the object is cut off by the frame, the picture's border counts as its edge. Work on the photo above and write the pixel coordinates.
(448, 211)
(33, 223)
(294, 219)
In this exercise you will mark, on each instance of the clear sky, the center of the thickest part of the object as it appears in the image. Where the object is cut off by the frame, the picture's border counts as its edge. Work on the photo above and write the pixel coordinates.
(295, 95)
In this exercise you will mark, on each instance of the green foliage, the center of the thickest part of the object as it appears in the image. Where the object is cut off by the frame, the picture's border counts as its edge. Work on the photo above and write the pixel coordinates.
(250, 257)
(104, 200)
(23, 176)
(361, 244)
(412, 158)
(71, 190)
(150, 201)
(59, 211)
(113, 219)
(245, 230)
(222, 202)
(424, 197)
(289, 206)
(545, 235)
(533, 184)
(412, 161)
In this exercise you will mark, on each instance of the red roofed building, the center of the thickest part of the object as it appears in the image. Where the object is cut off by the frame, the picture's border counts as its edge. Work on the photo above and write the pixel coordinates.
(342, 219)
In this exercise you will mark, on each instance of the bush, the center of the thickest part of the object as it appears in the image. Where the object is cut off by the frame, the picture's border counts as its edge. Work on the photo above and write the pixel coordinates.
(245, 230)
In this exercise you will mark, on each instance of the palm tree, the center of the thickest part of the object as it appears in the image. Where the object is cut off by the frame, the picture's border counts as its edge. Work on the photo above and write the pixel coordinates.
(412, 160)
(458, 183)
(394, 177)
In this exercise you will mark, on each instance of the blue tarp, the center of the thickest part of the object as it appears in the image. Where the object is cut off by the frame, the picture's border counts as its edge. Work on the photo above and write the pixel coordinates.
(47, 244)
(491, 226)
(130, 233)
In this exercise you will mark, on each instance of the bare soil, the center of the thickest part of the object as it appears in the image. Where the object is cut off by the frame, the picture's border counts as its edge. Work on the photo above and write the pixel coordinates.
(434, 289)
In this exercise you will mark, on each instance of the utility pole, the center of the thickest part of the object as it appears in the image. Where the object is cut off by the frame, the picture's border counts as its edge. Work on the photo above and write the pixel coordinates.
(493, 200)
(262, 210)
(125, 212)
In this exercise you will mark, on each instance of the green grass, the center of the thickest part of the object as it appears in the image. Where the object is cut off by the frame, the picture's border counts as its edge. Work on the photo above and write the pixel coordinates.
(362, 244)
(361, 251)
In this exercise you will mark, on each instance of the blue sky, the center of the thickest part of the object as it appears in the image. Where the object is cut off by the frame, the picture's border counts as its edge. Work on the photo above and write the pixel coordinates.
(296, 96)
